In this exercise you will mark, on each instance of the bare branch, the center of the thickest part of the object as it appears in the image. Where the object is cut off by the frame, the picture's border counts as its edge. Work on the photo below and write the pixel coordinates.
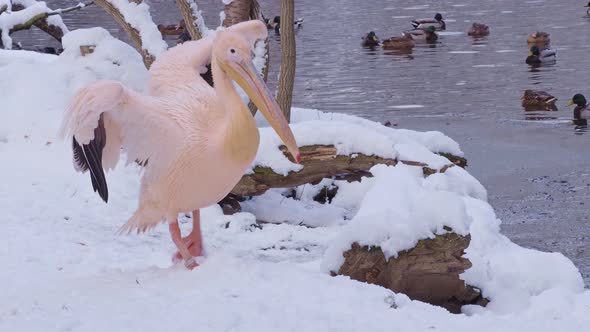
(40, 20)
(188, 10)
(132, 33)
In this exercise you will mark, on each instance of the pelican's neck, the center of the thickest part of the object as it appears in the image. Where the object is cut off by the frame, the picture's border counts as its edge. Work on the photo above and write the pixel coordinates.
(240, 135)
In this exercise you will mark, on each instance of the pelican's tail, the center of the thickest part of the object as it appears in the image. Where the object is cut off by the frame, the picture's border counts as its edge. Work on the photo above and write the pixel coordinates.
(144, 219)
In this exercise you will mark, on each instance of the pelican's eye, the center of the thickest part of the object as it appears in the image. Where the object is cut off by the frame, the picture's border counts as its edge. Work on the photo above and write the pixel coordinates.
(232, 50)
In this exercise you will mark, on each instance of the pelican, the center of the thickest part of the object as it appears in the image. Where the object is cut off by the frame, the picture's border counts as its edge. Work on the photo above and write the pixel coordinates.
(195, 140)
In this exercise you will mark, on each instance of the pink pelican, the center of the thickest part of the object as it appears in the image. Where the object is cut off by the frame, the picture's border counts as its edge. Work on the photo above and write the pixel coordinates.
(194, 140)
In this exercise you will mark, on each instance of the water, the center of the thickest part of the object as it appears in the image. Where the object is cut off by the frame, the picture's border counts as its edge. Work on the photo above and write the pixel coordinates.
(534, 164)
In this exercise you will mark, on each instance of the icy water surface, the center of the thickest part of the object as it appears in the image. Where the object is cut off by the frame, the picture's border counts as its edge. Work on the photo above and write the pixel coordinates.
(534, 165)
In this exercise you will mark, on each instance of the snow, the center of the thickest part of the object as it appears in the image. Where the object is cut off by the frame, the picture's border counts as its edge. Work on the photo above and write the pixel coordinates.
(9, 19)
(199, 21)
(63, 267)
(139, 17)
(32, 8)
(6, 3)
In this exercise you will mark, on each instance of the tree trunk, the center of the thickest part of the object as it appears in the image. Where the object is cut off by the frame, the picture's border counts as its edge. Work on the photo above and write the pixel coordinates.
(287, 75)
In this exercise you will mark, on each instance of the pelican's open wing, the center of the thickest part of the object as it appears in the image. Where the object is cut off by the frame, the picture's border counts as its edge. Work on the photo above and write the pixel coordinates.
(104, 117)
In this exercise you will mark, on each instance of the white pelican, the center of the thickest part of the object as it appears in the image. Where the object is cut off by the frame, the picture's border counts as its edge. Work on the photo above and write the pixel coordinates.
(195, 141)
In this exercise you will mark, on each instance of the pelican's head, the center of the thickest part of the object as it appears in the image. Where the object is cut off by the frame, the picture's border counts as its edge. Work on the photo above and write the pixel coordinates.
(233, 52)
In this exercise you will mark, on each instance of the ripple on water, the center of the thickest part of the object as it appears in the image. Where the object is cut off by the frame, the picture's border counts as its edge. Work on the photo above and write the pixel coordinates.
(403, 107)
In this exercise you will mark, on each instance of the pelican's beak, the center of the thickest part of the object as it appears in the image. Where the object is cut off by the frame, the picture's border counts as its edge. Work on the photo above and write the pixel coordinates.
(570, 103)
(244, 73)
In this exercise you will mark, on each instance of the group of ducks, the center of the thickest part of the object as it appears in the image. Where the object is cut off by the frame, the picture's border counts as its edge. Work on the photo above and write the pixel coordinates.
(538, 42)
(424, 31)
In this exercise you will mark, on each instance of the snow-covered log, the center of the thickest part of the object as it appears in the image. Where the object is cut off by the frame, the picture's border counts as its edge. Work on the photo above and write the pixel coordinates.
(319, 162)
(429, 272)
(136, 20)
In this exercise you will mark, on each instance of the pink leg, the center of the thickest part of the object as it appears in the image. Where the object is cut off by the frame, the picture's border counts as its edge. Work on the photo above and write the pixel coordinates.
(183, 251)
(194, 241)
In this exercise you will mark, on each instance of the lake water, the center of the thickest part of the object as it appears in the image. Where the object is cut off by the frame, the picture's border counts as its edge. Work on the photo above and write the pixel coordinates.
(535, 166)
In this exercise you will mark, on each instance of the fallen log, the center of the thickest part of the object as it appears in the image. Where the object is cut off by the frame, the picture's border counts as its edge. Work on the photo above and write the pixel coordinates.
(322, 161)
(429, 272)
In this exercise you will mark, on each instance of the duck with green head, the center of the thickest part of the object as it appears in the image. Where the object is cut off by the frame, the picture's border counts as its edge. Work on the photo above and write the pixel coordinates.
(370, 40)
(424, 23)
(538, 56)
(581, 108)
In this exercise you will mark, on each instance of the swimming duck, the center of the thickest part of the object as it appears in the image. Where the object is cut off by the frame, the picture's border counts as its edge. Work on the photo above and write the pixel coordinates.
(275, 23)
(538, 56)
(581, 108)
(176, 29)
(539, 38)
(536, 99)
(370, 40)
(437, 23)
(588, 10)
(403, 42)
(478, 30)
(428, 35)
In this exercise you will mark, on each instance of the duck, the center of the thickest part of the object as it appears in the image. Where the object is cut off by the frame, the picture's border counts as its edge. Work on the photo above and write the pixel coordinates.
(581, 110)
(537, 99)
(478, 30)
(370, 40)
(588, 10)
(173, 30)
(424, 23)
(403, 42)
(275, 23)
(539, 38)
(538, 56)
(428, 35)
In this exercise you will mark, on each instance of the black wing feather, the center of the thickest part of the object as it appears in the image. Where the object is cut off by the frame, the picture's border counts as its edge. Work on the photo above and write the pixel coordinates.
(89, 157)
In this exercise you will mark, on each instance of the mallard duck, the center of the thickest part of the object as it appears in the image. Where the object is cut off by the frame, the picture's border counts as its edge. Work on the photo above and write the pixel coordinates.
(370, 40)
(428, 35)
(275, 23)
(581, 109)
(478, 30)
(538, 56)
(403, 42)
(424, 23)
(539, 38)
(536, 99)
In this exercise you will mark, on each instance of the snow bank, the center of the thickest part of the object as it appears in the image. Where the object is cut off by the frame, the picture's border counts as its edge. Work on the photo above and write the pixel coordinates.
(402, 208)
(63, 267)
